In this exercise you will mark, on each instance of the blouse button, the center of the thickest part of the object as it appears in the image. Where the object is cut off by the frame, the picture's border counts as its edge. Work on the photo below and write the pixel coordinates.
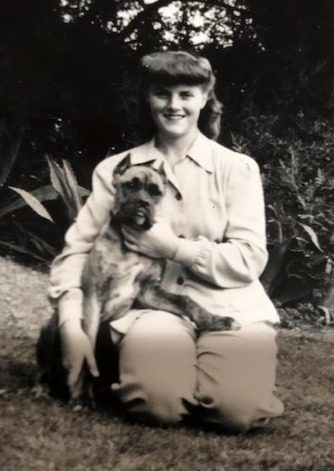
(178, 196)
(180, 280)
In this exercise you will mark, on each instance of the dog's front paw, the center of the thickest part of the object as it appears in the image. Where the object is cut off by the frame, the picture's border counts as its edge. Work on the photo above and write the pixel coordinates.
(217, 323)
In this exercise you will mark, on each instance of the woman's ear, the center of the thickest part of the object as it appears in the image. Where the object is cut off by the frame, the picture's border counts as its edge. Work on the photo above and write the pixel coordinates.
(205, 98)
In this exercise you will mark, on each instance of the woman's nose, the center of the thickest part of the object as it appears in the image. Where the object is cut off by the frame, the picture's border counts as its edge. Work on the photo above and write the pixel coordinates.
(174, 101)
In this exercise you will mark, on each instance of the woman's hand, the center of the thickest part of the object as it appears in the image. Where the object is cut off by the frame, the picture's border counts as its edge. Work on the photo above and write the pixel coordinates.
(76, 348)
(158, 242)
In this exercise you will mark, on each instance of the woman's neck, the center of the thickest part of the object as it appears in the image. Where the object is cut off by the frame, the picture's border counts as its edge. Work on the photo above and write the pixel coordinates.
(175, 149)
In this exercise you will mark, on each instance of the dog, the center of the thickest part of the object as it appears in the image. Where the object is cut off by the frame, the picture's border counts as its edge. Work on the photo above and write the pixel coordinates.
(116, 279)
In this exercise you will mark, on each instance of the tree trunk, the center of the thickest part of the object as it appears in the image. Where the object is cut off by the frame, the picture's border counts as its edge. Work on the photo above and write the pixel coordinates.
(11, 135)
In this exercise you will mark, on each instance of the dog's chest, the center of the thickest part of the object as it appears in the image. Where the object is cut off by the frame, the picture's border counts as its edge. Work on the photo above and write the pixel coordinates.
(116, 275)
(110, 257)
(110, 260)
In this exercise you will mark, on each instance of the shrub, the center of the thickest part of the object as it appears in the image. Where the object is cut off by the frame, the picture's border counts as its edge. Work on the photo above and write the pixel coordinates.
(64, 187)
(298, 178)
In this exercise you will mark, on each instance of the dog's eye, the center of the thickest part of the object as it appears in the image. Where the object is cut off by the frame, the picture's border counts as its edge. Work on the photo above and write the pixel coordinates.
(154, 190)
(133, 184)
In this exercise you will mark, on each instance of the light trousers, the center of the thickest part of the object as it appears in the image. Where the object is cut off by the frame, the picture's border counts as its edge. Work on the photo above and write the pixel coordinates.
(228, 377)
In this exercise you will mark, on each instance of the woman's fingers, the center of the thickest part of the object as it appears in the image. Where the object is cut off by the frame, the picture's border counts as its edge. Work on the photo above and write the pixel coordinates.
(131, 246)
(131, 240)
(130, 236)
(76, 348)
(73, 380)
(91, 362)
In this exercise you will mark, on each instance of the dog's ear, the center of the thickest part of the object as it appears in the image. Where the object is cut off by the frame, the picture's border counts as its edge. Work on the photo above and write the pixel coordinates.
(122, 166)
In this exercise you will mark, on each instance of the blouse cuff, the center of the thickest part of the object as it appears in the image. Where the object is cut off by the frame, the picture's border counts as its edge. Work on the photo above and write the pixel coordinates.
(70, 306)
(188, 252)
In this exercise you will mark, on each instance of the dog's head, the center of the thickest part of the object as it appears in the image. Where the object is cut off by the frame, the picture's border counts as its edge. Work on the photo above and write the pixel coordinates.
(138, 190)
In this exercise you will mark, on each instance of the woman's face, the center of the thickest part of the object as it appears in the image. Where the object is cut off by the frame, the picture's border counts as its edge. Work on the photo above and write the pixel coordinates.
(175, 108)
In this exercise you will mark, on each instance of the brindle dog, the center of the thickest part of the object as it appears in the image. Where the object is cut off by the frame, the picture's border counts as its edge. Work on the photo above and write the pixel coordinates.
(115, 279)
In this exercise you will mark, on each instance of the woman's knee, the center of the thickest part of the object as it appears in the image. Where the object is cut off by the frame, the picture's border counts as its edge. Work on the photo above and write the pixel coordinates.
(236, 377)
(164, 407)
(240, 412)
(157, 368)
(239, 416)
(149, 404)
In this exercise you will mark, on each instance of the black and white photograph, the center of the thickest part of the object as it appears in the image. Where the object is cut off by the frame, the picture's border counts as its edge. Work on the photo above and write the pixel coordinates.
(166, 235)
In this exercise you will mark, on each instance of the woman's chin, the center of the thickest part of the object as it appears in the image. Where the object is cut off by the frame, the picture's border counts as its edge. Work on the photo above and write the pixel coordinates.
(175, 132)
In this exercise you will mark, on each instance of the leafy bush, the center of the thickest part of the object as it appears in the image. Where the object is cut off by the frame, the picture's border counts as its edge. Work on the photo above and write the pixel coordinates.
(298, 178)
(64, 187)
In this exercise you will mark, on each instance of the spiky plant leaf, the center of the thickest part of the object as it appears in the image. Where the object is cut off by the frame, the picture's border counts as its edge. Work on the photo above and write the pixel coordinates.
(44, 193)
(72, 185)
(313, 236)
(33, 202)
(58, 181)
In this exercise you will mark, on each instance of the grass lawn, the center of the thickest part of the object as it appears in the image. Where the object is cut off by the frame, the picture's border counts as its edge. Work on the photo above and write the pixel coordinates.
(41, 434)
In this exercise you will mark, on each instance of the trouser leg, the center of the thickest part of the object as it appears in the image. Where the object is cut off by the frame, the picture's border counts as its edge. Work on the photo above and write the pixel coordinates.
(157, 367)
(236, 376)
(51, 372)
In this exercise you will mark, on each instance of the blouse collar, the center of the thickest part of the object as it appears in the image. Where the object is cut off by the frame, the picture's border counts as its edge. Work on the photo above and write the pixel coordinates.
(200, 152)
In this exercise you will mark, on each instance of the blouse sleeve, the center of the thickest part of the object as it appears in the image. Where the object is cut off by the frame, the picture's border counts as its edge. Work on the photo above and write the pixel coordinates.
(241, 256)
(66, 269)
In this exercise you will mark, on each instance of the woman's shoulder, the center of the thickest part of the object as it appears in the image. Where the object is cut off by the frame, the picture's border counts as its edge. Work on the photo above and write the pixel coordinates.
(230, 159)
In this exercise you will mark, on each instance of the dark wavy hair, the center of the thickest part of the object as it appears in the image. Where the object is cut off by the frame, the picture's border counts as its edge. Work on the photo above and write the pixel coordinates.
(180, 67)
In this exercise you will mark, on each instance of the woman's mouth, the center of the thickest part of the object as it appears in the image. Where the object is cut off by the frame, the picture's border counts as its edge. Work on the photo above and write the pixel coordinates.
(174, 117)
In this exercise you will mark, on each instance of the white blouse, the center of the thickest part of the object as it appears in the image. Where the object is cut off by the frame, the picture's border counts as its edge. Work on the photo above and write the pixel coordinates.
(214, 202)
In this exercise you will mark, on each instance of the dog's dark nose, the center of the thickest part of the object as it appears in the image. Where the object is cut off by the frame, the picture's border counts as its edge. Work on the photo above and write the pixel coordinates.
(144, 203)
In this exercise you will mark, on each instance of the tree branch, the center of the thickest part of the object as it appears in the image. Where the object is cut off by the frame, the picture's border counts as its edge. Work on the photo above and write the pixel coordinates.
(153, 7)
(146, 13)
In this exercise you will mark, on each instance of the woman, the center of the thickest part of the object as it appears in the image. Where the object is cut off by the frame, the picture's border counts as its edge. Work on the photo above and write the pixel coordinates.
(211, 232)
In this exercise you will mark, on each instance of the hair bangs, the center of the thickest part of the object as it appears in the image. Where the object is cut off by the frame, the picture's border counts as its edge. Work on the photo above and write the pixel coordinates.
(176, 67)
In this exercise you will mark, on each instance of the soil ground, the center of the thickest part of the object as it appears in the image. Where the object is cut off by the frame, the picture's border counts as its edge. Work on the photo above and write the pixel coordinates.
(42, 434)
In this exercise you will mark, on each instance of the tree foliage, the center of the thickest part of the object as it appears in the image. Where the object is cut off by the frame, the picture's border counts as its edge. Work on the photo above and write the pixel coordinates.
(67, 67)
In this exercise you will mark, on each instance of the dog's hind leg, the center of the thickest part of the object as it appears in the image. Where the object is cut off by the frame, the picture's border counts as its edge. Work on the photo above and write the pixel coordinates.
(154, 297)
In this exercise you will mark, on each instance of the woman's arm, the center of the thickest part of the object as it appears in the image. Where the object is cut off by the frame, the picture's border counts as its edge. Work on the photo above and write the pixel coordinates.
(241, 257)
(66, 270)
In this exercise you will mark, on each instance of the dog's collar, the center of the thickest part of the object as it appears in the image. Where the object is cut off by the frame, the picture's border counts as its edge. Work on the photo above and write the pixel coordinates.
(200, 152)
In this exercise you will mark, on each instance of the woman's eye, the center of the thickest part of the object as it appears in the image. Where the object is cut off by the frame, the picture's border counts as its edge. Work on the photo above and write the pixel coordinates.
(161, 94)
(186, 95)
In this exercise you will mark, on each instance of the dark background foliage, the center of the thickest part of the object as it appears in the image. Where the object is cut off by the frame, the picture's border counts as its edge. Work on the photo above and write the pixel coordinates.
(68, 89)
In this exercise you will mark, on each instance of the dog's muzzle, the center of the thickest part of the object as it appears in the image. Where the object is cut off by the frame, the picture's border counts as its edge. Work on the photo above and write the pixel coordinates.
(138, 215)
